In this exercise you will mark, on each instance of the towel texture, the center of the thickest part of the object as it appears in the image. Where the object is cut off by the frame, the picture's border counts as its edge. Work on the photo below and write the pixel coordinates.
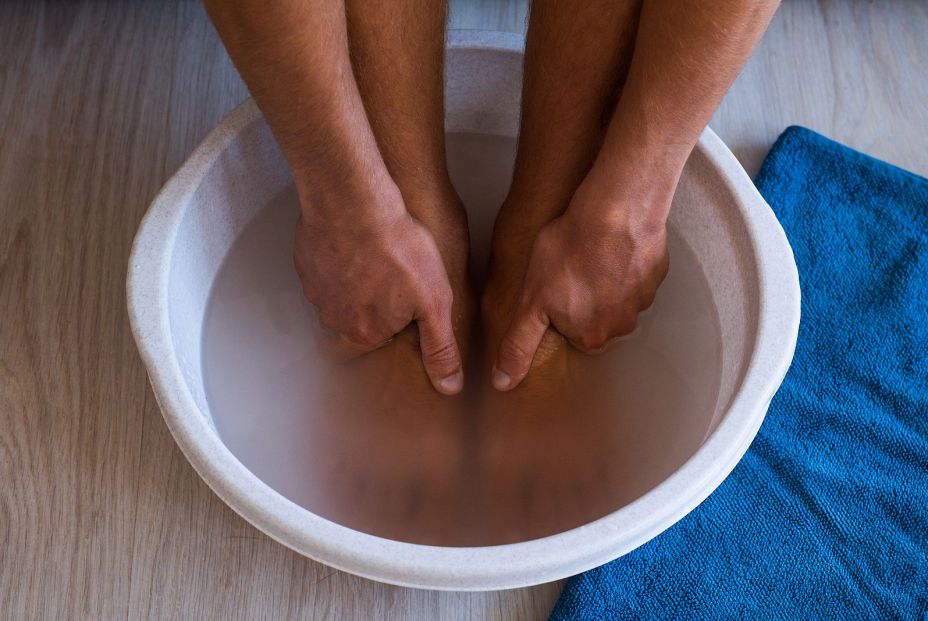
(827, 514)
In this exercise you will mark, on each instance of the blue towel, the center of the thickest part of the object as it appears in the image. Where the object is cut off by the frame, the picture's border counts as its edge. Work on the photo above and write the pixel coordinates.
(827, 514)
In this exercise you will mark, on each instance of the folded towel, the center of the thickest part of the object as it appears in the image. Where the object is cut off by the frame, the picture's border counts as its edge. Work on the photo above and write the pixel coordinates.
(827, 514)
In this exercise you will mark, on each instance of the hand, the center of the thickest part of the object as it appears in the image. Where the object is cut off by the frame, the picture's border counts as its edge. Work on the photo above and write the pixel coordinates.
(591, 272)
(372, 270)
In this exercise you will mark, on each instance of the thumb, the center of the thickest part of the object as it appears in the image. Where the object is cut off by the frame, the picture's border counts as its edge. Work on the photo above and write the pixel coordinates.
(440, 353)
(517, 349)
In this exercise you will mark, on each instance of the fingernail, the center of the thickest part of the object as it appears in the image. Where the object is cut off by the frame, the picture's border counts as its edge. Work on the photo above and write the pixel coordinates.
(501, 379)
(453, 383)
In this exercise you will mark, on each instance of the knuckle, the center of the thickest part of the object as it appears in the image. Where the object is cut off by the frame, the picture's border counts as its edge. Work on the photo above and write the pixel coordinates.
(311, 295)
(366, 335)
(533, 298)
(511, 350)
(627, 323)
(353, 334)
(310, 290)
(664, 267)
(647, 299)
(445, 295)
(593, 339)
(394, 324)
(329, 319)
(440, 298)
(442, 353)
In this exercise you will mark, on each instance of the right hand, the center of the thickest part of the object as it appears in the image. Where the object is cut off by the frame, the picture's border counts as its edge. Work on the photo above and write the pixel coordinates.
(371, 270)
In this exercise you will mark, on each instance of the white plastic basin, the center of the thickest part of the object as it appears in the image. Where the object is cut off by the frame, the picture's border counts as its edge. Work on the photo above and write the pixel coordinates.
(729, 233)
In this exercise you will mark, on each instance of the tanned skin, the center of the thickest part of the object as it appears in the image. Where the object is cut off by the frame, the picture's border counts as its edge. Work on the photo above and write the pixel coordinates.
(368, 264)
(595, 266)
(616, 95)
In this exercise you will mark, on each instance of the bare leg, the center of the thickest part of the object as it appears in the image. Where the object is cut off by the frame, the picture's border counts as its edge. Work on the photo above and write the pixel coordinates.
(576, 60)
(594, 268)
(396, 444)
(543, 450)
(397, 51)
(369, 267)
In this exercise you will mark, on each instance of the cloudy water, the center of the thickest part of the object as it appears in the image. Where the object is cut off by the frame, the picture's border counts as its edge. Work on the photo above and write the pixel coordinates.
(366, 446)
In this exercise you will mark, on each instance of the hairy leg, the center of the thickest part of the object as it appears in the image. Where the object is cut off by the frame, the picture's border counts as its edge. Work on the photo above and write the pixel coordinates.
(394, 443)
(545, 449)
(576, 61)
(397, 52)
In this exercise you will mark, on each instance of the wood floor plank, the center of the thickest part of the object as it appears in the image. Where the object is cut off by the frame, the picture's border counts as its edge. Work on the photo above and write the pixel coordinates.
(854, 71)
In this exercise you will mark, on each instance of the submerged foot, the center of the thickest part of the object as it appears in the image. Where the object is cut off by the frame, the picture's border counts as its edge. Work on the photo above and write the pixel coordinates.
(541, 453)
(394, 445)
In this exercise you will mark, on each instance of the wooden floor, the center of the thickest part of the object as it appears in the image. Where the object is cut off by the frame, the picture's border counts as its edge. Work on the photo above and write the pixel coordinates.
(100, 515)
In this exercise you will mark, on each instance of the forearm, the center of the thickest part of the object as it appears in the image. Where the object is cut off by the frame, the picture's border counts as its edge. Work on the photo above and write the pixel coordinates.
(686, 57)
(576, 61)
(293, 55)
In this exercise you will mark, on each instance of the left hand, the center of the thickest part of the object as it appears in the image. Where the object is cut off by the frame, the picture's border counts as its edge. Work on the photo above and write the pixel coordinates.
(591, 271)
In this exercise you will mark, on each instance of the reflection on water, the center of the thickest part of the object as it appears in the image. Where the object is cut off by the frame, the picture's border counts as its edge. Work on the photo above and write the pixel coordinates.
(371, 446)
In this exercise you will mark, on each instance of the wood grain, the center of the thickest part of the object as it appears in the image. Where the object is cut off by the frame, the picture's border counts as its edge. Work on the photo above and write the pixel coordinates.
(100, 515)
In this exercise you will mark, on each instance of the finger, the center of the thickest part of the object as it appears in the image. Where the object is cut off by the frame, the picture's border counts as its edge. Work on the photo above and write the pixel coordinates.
(333, 344)
(517, 349)
(596, 341)
(340, 348)
(601, 349)
(440, 353)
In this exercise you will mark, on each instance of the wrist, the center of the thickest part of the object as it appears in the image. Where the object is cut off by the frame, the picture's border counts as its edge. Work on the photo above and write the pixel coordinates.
(634, 200)
(656, 127)
(634, 162)
(335, 160)
(356, 198)
(645, 148)
(634, 177)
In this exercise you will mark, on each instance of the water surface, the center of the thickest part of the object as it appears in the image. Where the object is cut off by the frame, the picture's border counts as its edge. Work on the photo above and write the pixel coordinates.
(382, 458)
